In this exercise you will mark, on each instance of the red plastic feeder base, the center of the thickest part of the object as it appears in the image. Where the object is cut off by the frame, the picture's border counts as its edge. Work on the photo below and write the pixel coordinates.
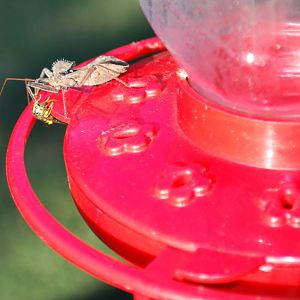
(205, 202)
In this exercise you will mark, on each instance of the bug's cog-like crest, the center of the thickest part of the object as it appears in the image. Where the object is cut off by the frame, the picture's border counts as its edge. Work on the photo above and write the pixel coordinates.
(62, 66)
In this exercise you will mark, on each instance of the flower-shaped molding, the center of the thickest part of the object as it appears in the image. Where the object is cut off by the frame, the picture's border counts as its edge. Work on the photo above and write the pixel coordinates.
(182, 184)
(281, 206)
(128, 137)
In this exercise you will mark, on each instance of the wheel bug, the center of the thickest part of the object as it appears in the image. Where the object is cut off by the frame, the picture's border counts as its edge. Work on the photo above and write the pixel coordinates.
(63, 75)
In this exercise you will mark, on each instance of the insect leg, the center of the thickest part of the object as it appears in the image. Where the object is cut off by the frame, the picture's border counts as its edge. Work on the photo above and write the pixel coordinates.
(45, 72)
(48, 88)
(64, 103)
(43, 86)
(32, 95)
(87, 75)
(49, 103)
(27, 94)
(121, 81)
(109, 71)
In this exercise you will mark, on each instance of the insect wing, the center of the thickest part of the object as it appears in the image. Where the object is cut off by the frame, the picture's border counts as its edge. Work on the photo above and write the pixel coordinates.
(114, 64)
(102, 69)
(76, 77)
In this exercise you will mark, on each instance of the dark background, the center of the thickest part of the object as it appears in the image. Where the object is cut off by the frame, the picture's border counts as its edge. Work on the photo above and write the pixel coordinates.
(33, 35)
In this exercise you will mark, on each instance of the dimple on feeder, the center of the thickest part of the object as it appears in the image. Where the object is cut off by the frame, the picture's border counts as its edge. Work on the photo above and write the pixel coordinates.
(192, 173)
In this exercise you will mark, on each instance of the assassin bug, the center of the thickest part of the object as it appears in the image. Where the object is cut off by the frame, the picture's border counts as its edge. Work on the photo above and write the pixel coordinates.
(63, 75)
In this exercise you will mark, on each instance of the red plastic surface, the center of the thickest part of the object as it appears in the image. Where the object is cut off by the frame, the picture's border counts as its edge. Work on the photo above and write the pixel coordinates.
(262, 142)
(191, 221)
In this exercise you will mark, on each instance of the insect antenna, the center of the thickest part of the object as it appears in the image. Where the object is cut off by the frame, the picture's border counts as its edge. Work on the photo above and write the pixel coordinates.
(26, 80)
